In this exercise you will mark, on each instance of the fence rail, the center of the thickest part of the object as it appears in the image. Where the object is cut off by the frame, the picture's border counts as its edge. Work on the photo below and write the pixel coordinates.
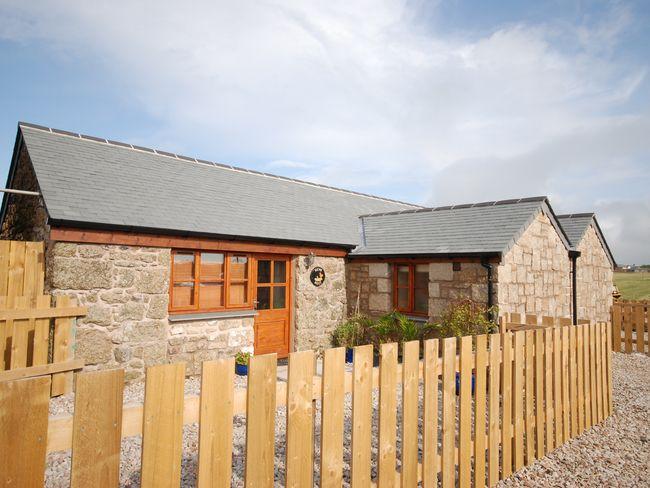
(630, 322)
(520, 395)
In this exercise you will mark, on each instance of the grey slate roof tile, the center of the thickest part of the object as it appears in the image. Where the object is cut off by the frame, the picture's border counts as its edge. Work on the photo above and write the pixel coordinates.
(484, 228)
(86, 182)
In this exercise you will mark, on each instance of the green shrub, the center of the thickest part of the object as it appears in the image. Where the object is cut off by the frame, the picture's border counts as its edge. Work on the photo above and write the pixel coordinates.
(464, 318)
(353, 332)
(396, 327)
(242, 357)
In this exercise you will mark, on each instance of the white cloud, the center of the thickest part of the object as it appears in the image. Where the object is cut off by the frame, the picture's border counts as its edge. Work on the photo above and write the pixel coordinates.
(359, 94)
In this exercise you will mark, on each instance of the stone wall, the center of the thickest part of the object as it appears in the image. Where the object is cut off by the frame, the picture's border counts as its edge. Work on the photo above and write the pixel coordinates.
(317, 309)
(369, 284)
(372, 284)
(25, 217)
(594, 278)
(535, 274)
(126, 292)
(447, 286)
(203, 340)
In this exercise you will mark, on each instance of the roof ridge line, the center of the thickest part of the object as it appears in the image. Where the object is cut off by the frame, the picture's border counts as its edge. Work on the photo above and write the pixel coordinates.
(460, 206)
(178, 157)
(572, 215)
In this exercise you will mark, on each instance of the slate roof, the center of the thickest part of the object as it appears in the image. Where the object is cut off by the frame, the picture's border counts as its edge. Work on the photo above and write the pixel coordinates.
(575, 226)
(474, 229)
(91, 182)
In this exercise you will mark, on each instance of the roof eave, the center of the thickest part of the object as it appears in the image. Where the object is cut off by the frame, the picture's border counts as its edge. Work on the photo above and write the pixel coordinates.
(64, 223)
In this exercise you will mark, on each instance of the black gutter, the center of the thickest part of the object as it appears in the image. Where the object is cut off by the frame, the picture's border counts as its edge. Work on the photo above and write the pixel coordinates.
(446, 255)
(486, 264)
(573, 255)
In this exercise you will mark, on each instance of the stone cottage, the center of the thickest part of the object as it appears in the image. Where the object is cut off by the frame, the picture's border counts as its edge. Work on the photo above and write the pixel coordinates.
(182, 259)
(594, 266)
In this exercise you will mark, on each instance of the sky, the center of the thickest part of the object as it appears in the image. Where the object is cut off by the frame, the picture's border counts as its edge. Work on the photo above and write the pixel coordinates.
(429, 102)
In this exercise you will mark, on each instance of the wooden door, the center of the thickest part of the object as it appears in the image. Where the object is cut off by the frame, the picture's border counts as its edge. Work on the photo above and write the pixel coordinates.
(273, 302)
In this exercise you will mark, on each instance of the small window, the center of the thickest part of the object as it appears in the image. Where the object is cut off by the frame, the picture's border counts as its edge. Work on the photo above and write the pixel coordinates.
(456, 266)
(411, 288)
(209, 281)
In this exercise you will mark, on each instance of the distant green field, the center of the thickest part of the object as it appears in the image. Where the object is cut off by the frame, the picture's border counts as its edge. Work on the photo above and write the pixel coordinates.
(633, 286)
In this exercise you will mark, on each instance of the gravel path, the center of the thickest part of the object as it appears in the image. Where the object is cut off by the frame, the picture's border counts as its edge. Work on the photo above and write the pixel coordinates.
(615, 453)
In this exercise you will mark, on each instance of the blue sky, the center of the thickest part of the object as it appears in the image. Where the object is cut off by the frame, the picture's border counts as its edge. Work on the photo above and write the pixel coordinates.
(429, 102)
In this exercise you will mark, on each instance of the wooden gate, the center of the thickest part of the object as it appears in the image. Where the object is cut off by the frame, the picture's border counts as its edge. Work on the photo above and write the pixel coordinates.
(35, 339)
(630, 322)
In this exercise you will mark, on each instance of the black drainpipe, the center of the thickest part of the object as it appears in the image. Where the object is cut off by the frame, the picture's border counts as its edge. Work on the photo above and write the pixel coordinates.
(486, 264)
(573, 255)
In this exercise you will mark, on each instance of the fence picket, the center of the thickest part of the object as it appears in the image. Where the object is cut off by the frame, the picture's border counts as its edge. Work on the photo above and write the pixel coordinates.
(19, 335)
(616, 321)
(580, 378)
(609, 369)
(573, 385)
(260, 420)
(361, 416)
(300, 420)
(627, 325)
(566, 409)
(529, 425)
(506, 410)
(215, 423)
(162, 433)
(41, 332)
(557, 384)
(333, 391)
(548, 383)
(518, 401)
(540, 413)
(602, 336)
(592, 368)
(494, 419)
(410, 394)
(480, 411)
(448, 447)
(430, 464)
(23, 431)
(599, 376)
(587, 376)
(465, 413)
(387, 416)
(62, 350)
(97, 432)
(638, 315)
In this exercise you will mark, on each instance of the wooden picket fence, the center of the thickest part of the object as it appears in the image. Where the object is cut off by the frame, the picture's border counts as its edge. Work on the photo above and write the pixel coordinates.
(35, 338)
(631, 326)
(521, 395)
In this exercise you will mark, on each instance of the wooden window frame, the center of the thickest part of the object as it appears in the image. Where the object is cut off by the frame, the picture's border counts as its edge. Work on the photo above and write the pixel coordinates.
(411, 290)
(226, 281)
(272, 284)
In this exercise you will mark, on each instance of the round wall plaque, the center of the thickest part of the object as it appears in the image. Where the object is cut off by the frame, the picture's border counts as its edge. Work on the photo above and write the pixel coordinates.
(317, 276)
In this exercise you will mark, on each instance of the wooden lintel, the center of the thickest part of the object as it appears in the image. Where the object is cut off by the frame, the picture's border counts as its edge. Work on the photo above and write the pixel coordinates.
(41, 370)
(90, 236)
(42, 313)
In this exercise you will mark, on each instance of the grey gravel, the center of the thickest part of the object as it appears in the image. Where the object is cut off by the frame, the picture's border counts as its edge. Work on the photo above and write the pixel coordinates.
(615, 453)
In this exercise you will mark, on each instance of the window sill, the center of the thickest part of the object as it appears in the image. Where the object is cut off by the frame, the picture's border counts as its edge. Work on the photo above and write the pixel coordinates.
(224, 314)
(417, 318)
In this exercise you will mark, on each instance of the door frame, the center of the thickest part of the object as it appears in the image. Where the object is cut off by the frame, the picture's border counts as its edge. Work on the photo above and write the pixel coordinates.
(289, 298)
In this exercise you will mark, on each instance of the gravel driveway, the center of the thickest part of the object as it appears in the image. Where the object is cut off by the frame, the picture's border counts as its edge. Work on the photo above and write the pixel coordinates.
(615, 453)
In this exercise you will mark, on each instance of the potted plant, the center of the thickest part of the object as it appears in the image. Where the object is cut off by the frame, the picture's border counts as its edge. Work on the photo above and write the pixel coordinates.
(353, 332)
(241, 362)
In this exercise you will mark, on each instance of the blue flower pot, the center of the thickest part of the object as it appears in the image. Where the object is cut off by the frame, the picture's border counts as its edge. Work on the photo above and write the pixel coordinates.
(349, 354)
(458, 383)
(241, 369)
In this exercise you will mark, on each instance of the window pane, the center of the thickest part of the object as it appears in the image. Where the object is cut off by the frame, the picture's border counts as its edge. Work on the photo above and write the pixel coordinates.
(421, 276)
(421, 300)
(279, 296)
(279, 271)
(211, 266)
(264, 271)
(183, 295)
(403, 298)
(238, 294)
(263, 297)
(402, 276)
(183, 266)
(238, 267)
(210, 295)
